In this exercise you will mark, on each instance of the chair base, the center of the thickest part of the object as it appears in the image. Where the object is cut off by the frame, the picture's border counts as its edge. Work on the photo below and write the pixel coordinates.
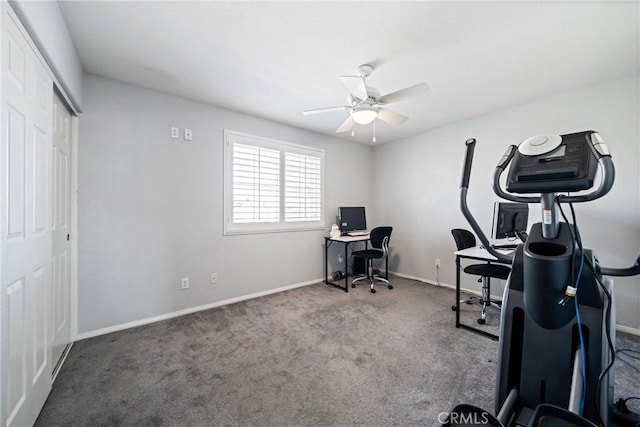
(484, 301)
(483, 314)
(478, 300)
(372, 280)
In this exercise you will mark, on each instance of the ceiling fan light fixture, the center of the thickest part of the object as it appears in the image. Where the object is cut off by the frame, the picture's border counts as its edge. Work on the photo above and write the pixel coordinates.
(366, 105)
(364, 115)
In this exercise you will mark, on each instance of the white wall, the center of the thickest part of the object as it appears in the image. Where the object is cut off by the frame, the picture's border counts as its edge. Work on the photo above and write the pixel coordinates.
(418, 178)
(150, 207)
(46, 26)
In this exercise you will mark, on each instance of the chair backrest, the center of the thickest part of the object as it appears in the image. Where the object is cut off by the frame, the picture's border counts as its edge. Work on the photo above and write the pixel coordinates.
(379, 238)
(464, 238)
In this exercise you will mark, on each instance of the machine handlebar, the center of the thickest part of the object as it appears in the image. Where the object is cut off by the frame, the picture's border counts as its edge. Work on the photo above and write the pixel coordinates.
(634, 270)
(468, 160)
(464, 187)
(604, 159)
(600, 151)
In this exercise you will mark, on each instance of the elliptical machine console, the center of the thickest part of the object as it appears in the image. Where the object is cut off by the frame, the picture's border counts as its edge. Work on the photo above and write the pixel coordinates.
(557, 325)
(553, 163)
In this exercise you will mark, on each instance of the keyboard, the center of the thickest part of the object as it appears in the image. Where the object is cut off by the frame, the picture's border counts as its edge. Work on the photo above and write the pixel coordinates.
(357, 233)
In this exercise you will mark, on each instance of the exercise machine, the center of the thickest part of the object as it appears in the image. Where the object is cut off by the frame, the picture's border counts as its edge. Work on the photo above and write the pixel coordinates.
(557, 325)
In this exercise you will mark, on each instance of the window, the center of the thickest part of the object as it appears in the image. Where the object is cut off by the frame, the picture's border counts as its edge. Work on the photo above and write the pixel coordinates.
(271, 185)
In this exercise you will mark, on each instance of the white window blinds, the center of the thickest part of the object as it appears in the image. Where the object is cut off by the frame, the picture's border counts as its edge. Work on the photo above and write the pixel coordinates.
(256, 184)
(271, 185)
(302, 187)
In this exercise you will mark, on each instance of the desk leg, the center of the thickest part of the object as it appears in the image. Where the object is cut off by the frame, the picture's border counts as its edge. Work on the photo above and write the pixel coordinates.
(326, 261)
(327, 243)
(346, 267)
(458, 324)
(457, 291)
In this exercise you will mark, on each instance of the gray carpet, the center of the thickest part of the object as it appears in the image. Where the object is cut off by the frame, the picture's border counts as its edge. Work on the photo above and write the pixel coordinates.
(313, 356)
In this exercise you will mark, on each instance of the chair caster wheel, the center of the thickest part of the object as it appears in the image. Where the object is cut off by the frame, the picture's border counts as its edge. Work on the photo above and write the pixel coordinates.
(454, 308)
(353, 285)
(373, 291)
(481, 321)
(390, 286)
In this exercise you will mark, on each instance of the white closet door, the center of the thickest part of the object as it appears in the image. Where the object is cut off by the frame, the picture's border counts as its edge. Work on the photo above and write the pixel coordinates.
(60, 325)
(26, 215)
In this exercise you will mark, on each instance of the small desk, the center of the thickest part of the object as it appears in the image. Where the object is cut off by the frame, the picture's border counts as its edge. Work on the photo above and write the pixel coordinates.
(480, 255)
(346, 241)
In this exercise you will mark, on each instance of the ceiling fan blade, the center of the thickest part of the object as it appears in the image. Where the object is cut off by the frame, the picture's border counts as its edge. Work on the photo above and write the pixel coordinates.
(323, 110)
(421, 89)
(355, 85)
(391, 117)
(347, 125)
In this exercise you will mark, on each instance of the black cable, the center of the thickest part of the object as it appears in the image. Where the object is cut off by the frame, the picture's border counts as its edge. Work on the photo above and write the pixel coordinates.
(573, 237)
(576, 237)
(628, 350)
(625, 352)
(635, 368)
(630, 356)
(577, 240)
(607, 332)
(583, 350)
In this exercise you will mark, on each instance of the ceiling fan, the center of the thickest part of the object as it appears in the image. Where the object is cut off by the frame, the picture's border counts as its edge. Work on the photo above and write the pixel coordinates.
(366, 104)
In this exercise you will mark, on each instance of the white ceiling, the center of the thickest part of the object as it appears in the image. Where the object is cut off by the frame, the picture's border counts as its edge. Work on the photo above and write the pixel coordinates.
(275, 59)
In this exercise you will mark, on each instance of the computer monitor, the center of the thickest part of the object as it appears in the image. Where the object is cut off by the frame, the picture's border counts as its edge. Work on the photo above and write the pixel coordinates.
(510, 220)
(352, 219)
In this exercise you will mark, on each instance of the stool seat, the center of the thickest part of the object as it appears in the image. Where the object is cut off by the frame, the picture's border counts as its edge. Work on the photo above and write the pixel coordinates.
(490, 270)
(465, 239)
(369, 253)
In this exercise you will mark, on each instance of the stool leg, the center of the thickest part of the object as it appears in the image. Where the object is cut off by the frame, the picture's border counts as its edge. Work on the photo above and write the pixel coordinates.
(485, 299)
(370, 274)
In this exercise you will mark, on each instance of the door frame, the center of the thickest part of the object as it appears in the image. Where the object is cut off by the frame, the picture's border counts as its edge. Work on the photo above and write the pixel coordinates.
(73, 201)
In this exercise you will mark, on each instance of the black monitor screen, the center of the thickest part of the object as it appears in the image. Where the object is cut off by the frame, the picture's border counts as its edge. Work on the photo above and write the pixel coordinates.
(509, 219)
(352, 219)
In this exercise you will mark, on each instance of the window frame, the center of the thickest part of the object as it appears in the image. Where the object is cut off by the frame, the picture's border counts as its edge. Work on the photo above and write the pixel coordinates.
(230, 228)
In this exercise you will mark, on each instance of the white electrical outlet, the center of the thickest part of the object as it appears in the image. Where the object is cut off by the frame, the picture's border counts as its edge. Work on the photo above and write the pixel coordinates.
(185, 283)
(175, 133)
(188, 135)
(340, 259)
(214, 278)
(437, 262)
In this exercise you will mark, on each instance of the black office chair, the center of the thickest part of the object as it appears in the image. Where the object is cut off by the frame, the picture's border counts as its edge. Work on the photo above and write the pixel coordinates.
(379, 238)
(465, 239)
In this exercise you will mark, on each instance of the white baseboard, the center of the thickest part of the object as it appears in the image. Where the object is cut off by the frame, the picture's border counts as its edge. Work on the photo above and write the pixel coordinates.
(420, 279)
(443, 285)
(619, 328)
(628, 330)
(190, 310)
